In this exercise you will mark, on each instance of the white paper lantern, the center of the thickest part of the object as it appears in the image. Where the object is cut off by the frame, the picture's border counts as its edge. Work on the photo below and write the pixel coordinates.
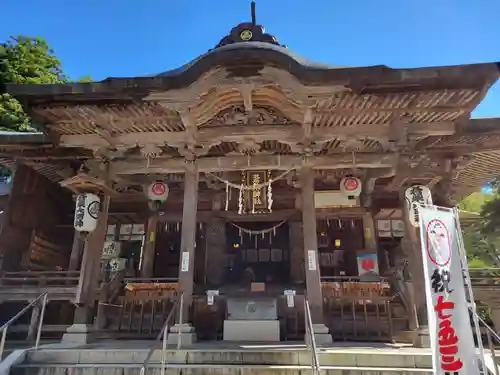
(157, 191)
(86, 212)
(351, 186)
(415, 196)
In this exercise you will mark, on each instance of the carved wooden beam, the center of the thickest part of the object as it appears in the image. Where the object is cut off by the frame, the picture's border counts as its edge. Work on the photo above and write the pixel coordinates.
(419, 167)
(369, 180)
(233, 163)
(289, 133)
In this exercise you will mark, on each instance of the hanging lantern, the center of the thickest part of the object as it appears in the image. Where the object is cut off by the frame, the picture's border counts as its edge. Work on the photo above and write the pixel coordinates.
(157, 191)
(415, 196)
(351, 186)
(86, 212)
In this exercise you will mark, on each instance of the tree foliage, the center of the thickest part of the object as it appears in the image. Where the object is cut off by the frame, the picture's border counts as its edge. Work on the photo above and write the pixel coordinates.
(26, 59)
(85, 79)
(480, 242)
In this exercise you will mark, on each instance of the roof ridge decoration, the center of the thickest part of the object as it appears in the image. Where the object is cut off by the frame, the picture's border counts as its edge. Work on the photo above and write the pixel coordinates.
(249, 32)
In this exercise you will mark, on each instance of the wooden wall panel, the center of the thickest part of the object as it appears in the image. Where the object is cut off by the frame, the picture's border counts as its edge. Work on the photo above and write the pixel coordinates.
(36, 205)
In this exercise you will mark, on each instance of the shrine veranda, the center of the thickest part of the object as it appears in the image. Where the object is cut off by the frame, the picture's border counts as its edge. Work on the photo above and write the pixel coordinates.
(242, 181)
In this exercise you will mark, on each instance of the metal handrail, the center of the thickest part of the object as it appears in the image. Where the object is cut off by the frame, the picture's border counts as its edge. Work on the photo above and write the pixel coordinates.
(490, 332)
(309, 329)
(4, 328)
(163, 335)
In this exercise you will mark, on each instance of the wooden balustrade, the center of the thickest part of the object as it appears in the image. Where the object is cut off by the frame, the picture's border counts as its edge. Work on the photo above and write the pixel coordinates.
(485, 276)
(144, 307)
(39, 279)
(359, 310)
(354, 287)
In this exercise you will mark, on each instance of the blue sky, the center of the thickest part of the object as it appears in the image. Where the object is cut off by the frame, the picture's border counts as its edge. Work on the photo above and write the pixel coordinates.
(106, 38)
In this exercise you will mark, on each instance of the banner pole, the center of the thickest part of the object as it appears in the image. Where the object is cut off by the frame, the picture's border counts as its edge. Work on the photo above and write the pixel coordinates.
(428, 299)
(449, 296)
(466, 276)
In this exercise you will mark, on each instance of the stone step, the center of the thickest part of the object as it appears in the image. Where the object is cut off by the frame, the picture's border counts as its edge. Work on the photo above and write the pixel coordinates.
(346, 357)
(192, 369)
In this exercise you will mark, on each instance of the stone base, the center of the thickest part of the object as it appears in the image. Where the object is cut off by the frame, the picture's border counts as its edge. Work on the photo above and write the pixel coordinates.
(252, 330)
(322, 335)
(422, 338)
(181, 332)
(77, 334)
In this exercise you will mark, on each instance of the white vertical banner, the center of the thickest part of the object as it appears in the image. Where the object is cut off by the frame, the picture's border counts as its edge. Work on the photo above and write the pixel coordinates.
(452, 342)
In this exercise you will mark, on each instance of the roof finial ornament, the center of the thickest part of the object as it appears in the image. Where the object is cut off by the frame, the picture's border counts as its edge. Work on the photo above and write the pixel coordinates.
(252, 7)
(248, 32)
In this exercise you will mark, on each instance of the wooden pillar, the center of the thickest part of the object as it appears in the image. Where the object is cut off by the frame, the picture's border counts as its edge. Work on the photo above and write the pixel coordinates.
(148, 251)
(312, 273)
(411, 246)
(215, 246)
(76, 252)
(313, 284)
(296, 252)
(188, 238)
(90, 274)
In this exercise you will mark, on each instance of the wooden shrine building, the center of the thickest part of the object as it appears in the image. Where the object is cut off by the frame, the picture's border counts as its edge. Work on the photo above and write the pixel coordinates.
(284, 176)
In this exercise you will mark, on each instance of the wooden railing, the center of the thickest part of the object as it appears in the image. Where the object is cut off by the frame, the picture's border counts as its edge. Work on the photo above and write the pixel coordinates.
(143, 307)
(28, 279)
(360, 310)
(485, 276)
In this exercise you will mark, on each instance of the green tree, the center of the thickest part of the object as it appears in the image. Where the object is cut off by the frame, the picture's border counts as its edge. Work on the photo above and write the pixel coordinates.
(480, 243)
(86, 79)
(25, 59)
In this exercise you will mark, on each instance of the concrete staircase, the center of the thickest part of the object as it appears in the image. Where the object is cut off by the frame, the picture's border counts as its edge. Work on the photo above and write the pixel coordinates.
(222, 359)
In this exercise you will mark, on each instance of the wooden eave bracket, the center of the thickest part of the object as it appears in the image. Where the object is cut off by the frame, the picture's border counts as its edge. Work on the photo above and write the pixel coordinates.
(82, 182)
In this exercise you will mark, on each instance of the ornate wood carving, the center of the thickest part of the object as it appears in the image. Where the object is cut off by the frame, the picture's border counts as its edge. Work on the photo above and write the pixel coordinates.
(162, 165)
(83, 182)
(213, 183)
(241, 129)
(238, 115)
(352, 144)
(246, 91)
(150, 151)
(426, 168)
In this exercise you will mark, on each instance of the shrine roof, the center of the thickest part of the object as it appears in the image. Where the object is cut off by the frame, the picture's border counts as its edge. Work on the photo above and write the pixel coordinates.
(252, 94)
(280, 52)
(9, 137)
(247, 60)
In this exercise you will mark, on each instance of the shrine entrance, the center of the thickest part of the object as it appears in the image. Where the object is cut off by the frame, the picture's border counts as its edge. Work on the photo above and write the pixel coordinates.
(258, 252)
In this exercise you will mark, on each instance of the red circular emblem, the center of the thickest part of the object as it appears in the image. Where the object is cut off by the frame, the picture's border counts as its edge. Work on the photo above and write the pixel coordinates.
(368, 264)
(351, 184)
(158, 188)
